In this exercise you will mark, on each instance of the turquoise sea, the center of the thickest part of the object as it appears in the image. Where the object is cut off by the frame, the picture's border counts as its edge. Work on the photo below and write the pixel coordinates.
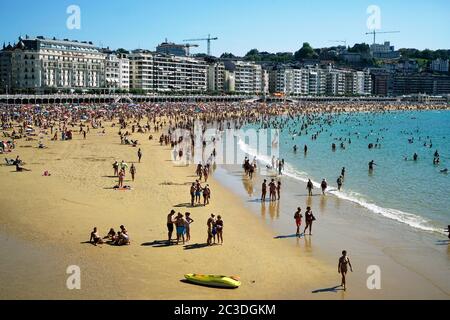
(416, 193)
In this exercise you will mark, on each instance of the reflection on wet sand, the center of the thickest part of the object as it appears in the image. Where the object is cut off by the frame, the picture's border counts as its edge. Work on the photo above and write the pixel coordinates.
(263, 210)
(323, 204)
(274, 209)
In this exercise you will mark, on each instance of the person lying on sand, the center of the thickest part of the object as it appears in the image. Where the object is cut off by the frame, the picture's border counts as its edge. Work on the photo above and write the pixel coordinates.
(95, 238)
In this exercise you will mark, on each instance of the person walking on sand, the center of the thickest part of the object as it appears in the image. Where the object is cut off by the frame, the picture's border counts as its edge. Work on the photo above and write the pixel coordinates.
(343, 269)
(188, 220)
(219, 230)
(170, 225)
(324, 186)
(132, 171)
(210, 224)
(139, 154)
(206, 195)
(116, 168)
(264, 190)
(298, 220)
(309, 218)
(121, 177)
(309, 187)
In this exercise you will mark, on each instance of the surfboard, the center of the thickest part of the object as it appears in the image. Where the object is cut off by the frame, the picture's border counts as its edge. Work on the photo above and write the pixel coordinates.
(213, 280)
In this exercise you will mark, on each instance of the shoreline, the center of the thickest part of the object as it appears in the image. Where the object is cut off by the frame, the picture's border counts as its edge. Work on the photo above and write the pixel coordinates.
(400, 251)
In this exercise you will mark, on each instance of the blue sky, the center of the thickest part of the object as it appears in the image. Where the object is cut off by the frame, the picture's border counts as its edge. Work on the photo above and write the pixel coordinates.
(273, 26)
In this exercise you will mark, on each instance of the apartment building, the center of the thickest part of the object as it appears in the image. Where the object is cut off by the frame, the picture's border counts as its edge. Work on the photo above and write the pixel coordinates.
(39, 63)
(117, 71)
(216, 77)
(141, 70)
(248, 76)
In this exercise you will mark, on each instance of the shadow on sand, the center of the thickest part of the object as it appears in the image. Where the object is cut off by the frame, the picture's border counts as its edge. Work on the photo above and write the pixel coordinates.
(332, 289)
(289, 236)
(188, 205)
(195, 246)
(158, 244)
(204, 285)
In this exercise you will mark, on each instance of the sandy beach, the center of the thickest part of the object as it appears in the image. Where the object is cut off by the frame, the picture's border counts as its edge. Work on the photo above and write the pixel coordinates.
(46, 222)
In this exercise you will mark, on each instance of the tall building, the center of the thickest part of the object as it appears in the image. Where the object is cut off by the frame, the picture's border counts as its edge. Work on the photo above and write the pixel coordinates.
(40, 63)
(381, 82)
(248, 76)
(117, 71)
(426, 83)
(174, 73)
(141, 70)
(6, 68)
(150, 71)
(216, 77)
(289, 80)
(335, 83)
(439, 65)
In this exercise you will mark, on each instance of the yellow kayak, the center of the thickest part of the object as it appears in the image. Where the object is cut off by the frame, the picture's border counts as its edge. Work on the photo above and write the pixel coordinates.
(213, 280)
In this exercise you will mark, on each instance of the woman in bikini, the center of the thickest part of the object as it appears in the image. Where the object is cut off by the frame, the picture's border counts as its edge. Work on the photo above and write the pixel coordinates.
(342, 267)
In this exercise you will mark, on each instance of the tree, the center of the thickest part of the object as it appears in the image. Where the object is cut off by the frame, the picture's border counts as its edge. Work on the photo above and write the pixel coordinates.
(306, 52)
(228, 55)
(360, 48)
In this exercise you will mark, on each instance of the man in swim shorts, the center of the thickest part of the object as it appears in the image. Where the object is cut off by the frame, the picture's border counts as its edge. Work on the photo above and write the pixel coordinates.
(170, 224)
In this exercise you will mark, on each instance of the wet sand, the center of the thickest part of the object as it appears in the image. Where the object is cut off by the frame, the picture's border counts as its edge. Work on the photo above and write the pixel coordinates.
(413, 264)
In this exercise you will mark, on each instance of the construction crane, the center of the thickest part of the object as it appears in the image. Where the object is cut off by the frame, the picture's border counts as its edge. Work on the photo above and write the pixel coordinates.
(208, 40)
(188, 46)
(341, 41)
(374, 33)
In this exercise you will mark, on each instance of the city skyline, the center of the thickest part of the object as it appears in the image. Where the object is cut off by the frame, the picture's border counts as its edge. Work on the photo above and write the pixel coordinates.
(239, 26)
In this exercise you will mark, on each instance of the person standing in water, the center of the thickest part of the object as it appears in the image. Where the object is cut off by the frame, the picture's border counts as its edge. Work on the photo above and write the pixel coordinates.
(343, 269)
(310, 187)
(371, 164)
(278, 189)
(339, 183)
(343, 173)
(298, 220)
(324, 186)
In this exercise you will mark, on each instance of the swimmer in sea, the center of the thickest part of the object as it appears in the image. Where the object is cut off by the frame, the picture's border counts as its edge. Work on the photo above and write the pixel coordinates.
(371, 164)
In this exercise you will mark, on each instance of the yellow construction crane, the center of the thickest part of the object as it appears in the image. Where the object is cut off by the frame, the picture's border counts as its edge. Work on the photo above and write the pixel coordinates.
(208, 40)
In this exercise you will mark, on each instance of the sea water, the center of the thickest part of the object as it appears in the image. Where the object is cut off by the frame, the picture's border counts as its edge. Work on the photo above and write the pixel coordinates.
(412, 192)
